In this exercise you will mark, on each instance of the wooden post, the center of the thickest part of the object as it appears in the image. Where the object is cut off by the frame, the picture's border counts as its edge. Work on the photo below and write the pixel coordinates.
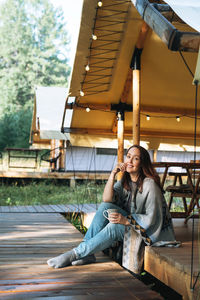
(155, 155)
(136, 107)
(120, 137)
(53, 146)
(136, 67)
(62, 156)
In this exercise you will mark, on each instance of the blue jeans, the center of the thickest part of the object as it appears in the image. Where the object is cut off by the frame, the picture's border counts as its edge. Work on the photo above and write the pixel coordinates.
(101, 233)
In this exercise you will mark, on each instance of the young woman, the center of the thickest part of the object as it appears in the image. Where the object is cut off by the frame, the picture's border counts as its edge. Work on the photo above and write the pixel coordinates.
(139, 200)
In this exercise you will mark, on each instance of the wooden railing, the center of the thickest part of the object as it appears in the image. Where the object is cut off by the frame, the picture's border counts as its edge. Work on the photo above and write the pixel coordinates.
(20, 159)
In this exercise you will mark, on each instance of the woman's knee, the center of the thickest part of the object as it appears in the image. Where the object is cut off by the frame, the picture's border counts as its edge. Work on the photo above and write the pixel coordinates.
(116, 231)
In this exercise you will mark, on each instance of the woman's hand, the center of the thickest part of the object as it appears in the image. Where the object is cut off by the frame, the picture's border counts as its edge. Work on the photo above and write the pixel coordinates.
(119, 167)
(117, 218)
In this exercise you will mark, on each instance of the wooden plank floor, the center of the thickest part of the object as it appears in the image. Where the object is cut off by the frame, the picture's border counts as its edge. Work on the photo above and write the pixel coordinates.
(54, 175)
(58, 208)
(27, 240)
(173, 265)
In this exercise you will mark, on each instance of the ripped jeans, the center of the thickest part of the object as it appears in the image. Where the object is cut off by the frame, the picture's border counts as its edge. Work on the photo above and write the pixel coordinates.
(101, 233)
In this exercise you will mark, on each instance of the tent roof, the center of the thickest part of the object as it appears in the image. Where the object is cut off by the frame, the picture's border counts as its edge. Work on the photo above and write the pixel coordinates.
(166, 83)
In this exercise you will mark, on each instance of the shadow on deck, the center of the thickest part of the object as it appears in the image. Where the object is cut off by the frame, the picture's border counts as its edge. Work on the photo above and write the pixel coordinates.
(29, 239)
(35, 233)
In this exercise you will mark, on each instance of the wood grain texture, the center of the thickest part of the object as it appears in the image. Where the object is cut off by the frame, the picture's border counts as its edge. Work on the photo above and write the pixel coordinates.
(27, 240)
(173, 265)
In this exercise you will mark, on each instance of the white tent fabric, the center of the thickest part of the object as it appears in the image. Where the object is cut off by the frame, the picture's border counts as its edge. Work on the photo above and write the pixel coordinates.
(50, 104)
(188, 11)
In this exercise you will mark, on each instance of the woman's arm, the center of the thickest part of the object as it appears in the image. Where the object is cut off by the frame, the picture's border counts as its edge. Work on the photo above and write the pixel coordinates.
(116, 218)
(108, 190)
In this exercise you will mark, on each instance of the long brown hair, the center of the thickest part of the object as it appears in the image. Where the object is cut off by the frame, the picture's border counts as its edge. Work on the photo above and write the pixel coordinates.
(146, 170)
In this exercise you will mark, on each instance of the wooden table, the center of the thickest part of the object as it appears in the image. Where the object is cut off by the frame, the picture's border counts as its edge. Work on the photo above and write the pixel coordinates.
(192, 179)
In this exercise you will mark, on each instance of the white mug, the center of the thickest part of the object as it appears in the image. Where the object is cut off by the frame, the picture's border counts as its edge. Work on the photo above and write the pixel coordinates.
(109, 211)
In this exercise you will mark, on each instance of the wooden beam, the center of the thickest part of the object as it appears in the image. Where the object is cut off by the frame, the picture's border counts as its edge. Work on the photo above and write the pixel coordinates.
(53, 154)
(124, 96)
(129, 79)
(61, 160)
(92, 106)
(127, 87)
(120, 138)
(168, 134)
(128, 133)
(136, 87)
(142, 35)
(136, 107)
(175, 40)
(175, 111)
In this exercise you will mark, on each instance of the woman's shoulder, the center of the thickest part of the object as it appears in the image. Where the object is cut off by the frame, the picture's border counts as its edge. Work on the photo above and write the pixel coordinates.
(150, 183)
(148, 180)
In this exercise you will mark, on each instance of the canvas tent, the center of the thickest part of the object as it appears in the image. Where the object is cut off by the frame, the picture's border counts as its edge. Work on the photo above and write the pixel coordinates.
(103, 82)
(49, 104)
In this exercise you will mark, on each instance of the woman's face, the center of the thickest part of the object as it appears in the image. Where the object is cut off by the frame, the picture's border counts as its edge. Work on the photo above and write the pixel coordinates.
(132, 161)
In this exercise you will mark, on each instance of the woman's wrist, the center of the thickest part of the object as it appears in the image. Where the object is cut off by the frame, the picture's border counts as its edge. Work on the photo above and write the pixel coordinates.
(127, 222)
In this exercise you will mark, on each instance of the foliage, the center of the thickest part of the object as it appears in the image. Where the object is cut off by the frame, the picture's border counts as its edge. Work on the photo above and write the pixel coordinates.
(33, 52)
(15, 128)
(48, 192)
(76, 220)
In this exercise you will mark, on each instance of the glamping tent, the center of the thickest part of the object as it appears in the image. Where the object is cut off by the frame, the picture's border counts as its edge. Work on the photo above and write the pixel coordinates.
(49, 104)
(132, 78)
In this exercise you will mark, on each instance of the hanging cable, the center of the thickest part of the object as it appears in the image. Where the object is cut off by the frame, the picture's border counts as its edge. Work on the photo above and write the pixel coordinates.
(195, 144)
(73, 168)
(47, 153)
(95, 175)
(186, 64)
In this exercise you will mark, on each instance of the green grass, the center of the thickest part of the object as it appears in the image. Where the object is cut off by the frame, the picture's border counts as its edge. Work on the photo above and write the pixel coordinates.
(49, 192)
(41, 192)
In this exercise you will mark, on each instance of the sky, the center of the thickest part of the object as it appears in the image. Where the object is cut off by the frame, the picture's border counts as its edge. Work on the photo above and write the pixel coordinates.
(72, 13)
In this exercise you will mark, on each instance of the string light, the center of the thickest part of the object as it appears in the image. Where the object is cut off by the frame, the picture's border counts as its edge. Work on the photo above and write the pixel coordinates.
(88, 109)
(100, 3)
(178, 118)
(82, 93)
(94, 37)
(148, 117)
(87, 68)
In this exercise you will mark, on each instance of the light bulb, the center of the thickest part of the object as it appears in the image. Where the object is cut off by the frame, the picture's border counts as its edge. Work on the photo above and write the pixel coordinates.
(147, 117)
(100, 3)
(87, 68)
(82, 93)
(88, 109)
(178, 119)
(94, 37)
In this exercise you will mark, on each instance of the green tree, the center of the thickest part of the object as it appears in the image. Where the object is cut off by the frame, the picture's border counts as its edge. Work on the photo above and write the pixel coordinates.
(15, 128)
(33, 52)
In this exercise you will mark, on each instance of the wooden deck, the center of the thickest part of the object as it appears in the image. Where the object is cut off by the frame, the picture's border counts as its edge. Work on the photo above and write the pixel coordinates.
(172, 266)
(59, 208)
(27, 240)
(54, 175)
